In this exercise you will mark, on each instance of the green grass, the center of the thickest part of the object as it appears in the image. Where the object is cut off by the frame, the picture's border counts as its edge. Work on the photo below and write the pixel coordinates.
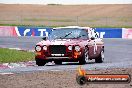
(98, 26)
(13, 25)
(9, 55)
(52, 20)
(111, 26)
(129, 19)
(27, 25)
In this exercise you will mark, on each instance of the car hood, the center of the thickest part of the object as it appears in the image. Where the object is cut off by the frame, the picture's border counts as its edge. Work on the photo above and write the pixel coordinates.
(61, 42)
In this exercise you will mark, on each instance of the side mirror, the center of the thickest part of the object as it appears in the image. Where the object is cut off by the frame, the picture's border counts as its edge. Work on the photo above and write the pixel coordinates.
(92, 38)
(45, 38)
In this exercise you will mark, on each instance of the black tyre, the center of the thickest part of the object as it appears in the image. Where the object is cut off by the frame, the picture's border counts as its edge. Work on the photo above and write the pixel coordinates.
(81, 80)
(85, 57)
(58, 62)
(40, 62)
(100, 59)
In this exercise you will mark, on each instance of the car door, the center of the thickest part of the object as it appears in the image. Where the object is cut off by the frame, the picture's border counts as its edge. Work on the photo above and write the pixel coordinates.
(92, 48)
(93, 44)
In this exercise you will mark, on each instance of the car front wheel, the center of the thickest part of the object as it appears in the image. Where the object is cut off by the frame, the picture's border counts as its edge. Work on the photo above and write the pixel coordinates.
(85, 57)
(100, 59)
(40, 62)
(58, 62)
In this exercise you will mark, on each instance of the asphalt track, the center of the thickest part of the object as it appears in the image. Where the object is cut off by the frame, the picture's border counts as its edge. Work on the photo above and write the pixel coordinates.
(118, 54)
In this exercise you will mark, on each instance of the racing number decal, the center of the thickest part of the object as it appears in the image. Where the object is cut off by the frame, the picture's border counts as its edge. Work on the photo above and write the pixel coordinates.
(95, 47)
(92, 47)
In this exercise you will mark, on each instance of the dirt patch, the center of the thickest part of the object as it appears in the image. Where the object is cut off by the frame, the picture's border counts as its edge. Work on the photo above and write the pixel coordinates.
(67, 10)
(60, 15)
(58, 79)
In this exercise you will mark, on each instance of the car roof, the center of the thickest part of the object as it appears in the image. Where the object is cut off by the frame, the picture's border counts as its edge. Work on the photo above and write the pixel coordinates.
(88, 29)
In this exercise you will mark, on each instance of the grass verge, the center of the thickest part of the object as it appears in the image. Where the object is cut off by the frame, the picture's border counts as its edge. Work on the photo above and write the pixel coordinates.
(8, 55)
(52, 20)
(95, 26)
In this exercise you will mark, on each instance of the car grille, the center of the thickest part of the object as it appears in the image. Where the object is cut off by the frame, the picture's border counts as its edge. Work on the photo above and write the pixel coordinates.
(57, 49)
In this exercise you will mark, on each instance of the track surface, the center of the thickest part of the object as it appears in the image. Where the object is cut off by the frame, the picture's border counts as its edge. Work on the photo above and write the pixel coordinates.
(118, 54)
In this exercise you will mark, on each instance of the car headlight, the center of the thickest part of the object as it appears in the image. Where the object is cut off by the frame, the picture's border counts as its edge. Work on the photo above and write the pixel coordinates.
(38, 48)
(44, 47)
(69, 47)
(77, 48)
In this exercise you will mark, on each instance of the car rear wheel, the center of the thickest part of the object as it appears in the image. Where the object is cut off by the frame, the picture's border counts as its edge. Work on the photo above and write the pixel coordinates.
(58, 62)
(85, 57)
(40, 62)
(100, 59)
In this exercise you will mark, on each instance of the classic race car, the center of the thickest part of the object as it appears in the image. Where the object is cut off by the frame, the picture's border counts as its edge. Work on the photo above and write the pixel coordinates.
(70, 44)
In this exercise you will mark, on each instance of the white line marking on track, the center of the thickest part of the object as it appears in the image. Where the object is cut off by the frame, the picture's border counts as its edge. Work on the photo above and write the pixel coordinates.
(9, 73)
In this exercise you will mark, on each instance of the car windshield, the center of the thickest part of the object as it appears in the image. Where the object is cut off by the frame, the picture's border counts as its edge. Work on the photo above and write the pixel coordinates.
(68, 33)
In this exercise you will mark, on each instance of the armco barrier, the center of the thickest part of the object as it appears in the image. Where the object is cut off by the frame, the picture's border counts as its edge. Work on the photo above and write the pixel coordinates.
(32, 31)
(45, 31)
(42, 31)
(127, 33)
(7, 31)
(109, 32)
